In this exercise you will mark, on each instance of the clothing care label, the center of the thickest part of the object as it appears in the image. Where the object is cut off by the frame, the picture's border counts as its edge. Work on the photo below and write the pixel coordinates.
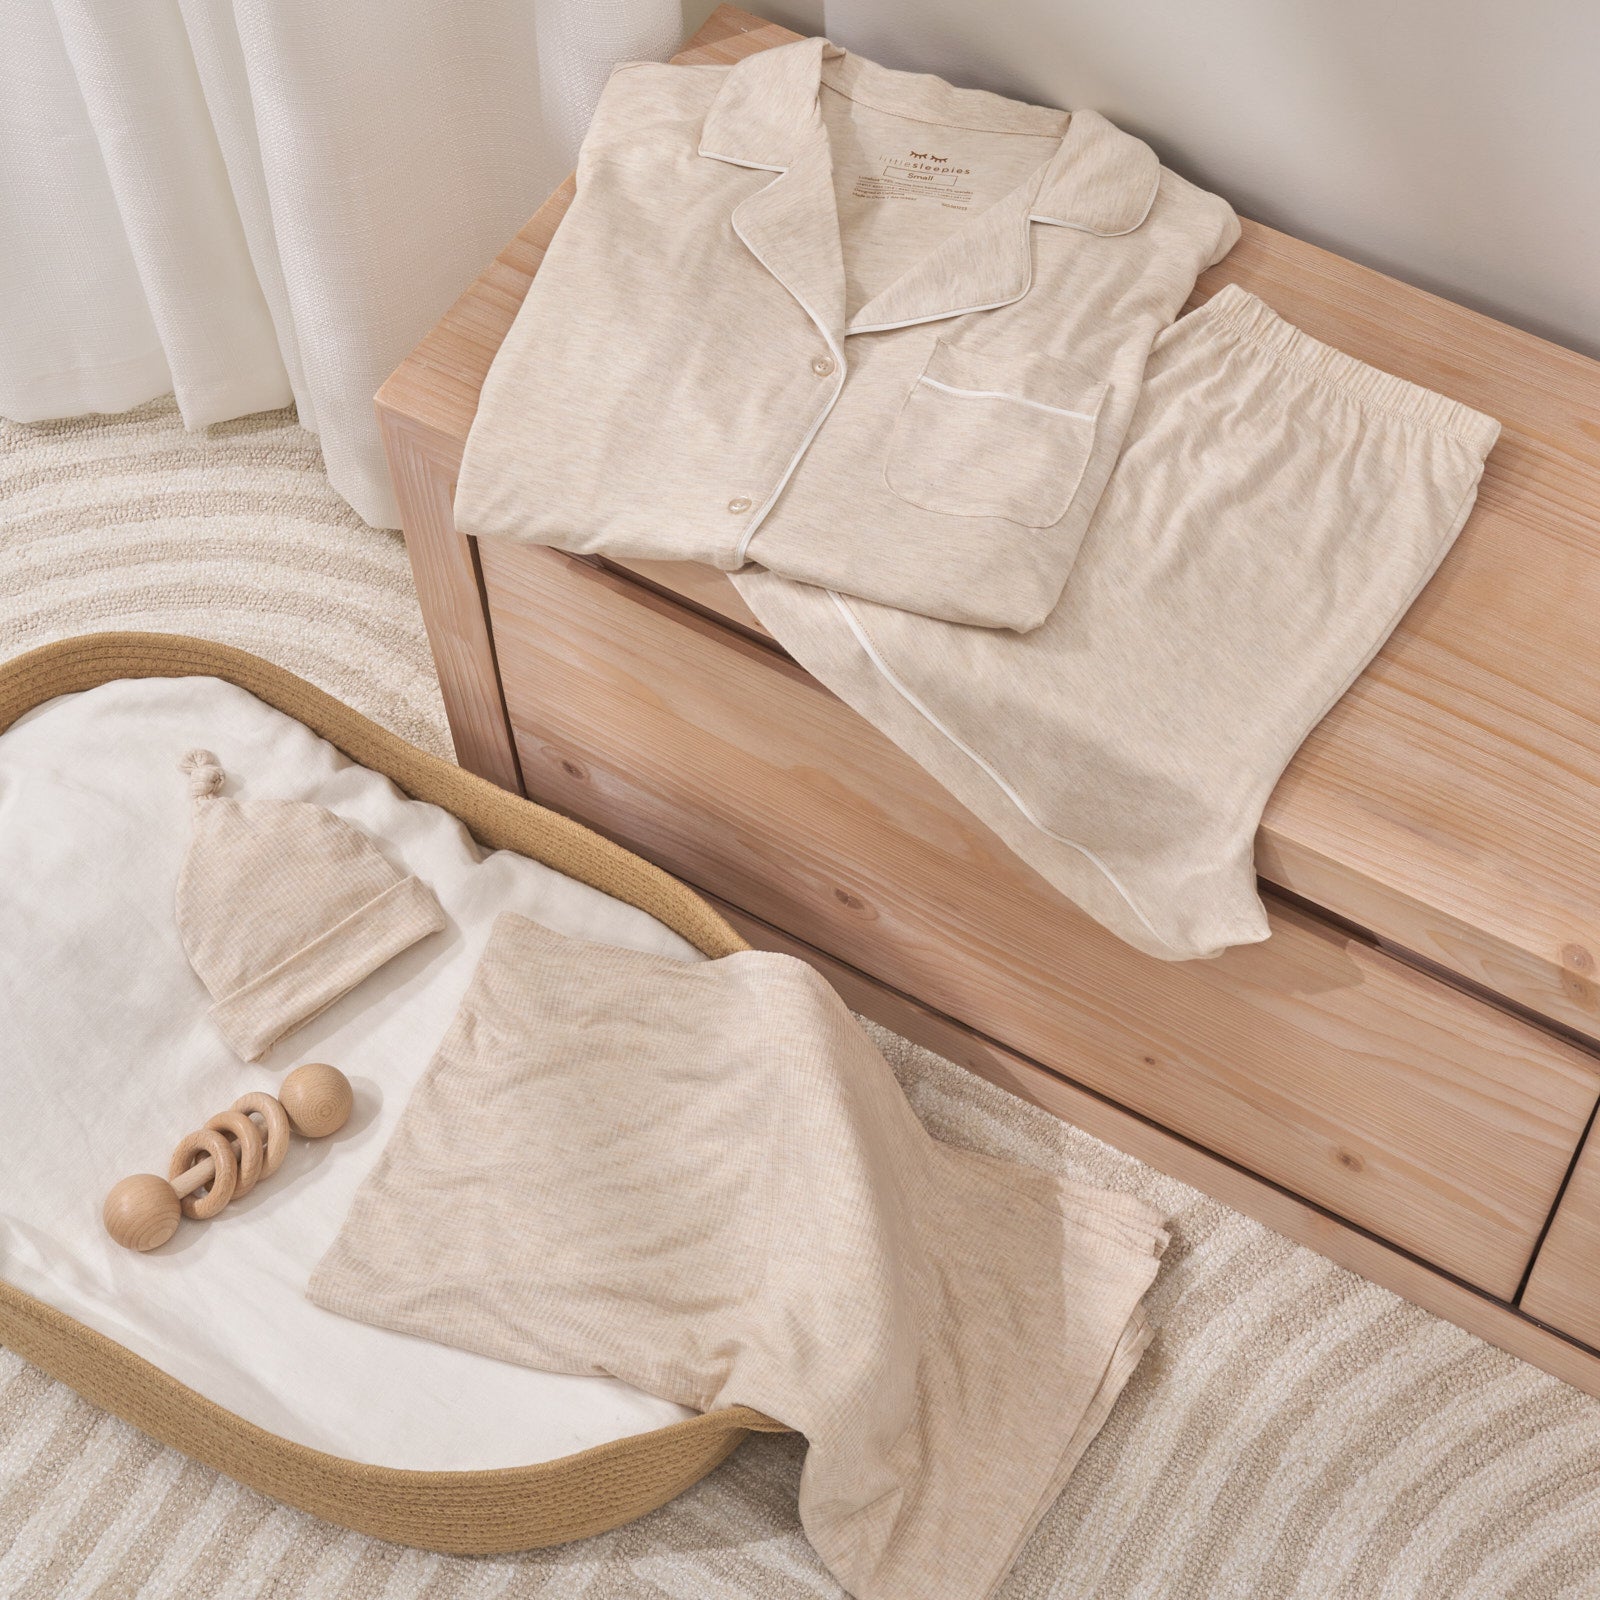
(918, 175)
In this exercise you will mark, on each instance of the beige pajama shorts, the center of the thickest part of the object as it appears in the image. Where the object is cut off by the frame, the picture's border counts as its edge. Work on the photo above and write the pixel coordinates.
(1276, 508)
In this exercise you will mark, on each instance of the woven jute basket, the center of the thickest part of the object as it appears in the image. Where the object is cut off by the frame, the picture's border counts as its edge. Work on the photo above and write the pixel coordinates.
(463, 1513)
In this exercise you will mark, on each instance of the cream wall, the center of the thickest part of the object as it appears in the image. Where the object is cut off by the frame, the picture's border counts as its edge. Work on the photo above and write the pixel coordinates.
(1453, 143)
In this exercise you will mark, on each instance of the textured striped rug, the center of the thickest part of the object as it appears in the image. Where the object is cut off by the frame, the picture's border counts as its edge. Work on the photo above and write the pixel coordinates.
(1293, 1431)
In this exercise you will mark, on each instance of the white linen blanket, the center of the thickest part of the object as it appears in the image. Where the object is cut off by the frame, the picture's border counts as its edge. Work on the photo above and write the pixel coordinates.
(704, 1180)
(109, 1057)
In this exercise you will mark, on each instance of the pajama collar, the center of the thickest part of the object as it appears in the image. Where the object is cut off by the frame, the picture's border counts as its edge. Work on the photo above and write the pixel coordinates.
(1100, 181)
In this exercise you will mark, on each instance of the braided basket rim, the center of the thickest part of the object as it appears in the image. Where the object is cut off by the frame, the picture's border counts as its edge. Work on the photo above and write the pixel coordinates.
(474, 1512)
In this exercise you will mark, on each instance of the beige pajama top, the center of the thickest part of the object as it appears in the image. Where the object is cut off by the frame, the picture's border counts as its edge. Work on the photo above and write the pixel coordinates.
(855, 326)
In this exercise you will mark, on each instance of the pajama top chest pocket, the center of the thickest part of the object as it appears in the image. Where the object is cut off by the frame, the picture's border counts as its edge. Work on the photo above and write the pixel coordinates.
(983, 435)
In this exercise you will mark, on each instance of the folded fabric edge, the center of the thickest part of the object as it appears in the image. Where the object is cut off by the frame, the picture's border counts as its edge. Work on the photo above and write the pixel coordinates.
(254, 1018)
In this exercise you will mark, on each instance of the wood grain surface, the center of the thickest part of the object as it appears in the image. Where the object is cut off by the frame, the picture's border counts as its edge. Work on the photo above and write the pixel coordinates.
(1564, 1286)
(444, 564)
(1440, 1122)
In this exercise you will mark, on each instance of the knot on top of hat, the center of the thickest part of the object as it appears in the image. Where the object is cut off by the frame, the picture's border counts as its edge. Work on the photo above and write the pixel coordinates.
(205, 775)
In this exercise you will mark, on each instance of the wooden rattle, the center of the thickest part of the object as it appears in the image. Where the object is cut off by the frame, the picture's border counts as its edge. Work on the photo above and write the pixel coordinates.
(228, 1157)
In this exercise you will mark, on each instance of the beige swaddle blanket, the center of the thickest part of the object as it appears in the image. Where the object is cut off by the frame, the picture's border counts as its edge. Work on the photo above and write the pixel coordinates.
(702, 1178)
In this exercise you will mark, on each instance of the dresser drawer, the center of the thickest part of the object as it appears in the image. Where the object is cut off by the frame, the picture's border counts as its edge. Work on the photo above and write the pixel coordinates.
(1438, 1122)
(1564, 1286)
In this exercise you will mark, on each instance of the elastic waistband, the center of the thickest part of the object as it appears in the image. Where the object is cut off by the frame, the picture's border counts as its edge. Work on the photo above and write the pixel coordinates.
(1253, 320)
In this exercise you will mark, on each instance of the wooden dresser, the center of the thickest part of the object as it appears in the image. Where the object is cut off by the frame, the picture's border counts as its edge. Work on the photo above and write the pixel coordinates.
(1402, 1077)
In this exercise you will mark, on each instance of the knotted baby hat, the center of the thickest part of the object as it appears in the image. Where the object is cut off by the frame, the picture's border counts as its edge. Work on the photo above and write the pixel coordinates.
(284, 907)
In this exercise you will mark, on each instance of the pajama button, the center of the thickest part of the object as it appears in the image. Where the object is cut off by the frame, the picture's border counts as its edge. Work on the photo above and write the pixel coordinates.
(738, 503)
(822, 366)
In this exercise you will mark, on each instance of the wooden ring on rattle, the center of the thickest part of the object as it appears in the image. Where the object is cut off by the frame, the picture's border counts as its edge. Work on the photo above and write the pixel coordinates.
(194, 1147)
(238, 1126)
(276, 1121)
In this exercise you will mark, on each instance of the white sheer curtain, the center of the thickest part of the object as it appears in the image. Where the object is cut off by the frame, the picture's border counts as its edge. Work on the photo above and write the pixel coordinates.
(248, 202)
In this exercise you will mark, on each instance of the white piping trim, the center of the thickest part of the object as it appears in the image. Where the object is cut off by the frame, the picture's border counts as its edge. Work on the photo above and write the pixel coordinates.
(741, 551)
(909, 322)
(734, 161)
(906, 694)
(940, 316)
(1100, 233)
(997, 394)
(963, 311)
